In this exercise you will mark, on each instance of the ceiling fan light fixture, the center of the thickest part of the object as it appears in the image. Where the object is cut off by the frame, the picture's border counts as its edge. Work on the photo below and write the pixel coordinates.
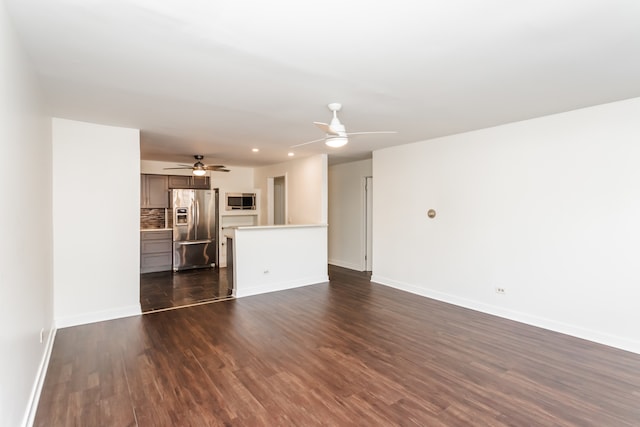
(336, 134)
(199, 172)
(337, 141)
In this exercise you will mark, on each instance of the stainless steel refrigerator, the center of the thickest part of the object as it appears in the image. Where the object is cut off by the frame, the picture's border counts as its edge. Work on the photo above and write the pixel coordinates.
(195, 228)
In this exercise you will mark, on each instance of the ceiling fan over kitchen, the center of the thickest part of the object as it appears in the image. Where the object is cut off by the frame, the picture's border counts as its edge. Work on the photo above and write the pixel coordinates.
(200, 168)
(336, 133)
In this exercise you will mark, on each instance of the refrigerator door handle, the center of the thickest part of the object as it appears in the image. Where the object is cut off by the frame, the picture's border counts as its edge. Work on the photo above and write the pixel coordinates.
(197, 216)
(193, 242)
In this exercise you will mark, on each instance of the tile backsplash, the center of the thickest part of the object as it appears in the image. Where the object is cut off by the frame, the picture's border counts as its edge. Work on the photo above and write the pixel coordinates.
(153, 218)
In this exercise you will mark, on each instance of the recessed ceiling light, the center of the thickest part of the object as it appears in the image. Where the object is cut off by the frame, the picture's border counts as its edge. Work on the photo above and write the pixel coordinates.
(255, 150)
(290, 154)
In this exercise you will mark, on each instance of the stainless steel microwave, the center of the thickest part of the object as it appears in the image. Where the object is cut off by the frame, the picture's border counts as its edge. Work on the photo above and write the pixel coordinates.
(241, 201)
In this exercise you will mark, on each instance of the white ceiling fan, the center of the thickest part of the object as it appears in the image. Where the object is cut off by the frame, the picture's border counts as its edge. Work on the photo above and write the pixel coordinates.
(200, 168)
(336, 133)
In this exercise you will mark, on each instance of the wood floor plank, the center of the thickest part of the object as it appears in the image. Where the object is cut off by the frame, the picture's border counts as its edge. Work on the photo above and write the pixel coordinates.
(348, 352)
(168, 289)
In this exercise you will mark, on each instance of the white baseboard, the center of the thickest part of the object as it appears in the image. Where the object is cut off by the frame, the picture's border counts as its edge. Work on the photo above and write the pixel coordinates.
(34, 397)
(344, 264)
(99, 316)
(550, 324)
(273, 287)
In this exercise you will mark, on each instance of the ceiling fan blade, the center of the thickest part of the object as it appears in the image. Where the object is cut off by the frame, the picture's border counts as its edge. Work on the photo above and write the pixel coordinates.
(308, 142)
(183, 167)
(372, 132)
(214, 167)
(326, 128)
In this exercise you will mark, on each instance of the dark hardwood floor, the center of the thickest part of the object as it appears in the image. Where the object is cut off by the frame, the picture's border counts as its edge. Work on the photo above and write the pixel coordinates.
(342, 353)
(167, 289)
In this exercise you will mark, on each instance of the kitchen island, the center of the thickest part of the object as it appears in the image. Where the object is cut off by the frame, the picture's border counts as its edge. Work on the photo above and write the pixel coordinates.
(278, 257)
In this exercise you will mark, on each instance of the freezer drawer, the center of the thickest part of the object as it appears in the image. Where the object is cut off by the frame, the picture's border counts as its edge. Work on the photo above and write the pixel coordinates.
(156, 246)
(194, 254)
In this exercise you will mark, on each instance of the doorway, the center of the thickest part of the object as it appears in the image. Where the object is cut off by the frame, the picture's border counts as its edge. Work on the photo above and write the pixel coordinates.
(277, 200)
(279, 215)
(161, 288)
(368, 223)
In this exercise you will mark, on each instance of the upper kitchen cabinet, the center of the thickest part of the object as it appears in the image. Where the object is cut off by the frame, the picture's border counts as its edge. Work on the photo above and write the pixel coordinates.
(192, 182)
(200, 182)
(179, 181)
(154, 191)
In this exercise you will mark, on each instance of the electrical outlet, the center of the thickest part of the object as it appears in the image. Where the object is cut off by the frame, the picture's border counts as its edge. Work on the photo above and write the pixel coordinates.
(500, 290)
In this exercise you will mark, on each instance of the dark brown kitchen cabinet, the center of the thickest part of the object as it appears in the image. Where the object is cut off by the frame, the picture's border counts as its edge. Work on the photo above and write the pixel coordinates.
(154, 191)
(192, 182)
(179, 181)
(200, 182)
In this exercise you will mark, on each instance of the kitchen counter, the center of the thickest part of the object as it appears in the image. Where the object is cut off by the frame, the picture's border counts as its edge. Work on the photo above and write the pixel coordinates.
(155, 229)
(270, 258)
(271, 227)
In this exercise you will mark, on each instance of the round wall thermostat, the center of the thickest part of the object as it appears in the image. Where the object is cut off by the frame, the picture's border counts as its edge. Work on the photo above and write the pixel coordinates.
(431, 213)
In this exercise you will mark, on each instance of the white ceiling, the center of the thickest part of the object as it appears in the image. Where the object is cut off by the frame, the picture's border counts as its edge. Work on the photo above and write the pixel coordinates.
(221, 77)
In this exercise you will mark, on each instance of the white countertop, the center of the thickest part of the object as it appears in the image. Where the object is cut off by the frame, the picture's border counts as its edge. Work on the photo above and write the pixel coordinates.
(268, 227)
(156, 229)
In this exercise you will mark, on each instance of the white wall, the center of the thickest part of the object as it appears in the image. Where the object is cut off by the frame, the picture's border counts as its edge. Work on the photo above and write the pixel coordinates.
(346, 214)
(96, 222)
(547, 208)
(238, 179)
(306, 189)
(26, 286)
(268, 259)
(158, 168)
